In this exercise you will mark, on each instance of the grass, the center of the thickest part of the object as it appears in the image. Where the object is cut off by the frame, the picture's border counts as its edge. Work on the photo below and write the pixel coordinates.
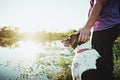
(116, 56)
(54, 64)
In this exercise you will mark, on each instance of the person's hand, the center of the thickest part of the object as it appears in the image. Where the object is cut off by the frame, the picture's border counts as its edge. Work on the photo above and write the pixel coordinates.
(84, 34)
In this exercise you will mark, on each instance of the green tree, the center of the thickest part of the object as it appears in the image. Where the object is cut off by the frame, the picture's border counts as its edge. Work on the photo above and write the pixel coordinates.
(8, 36)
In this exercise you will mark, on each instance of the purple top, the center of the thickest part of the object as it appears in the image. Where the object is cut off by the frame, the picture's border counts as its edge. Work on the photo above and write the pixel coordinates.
(109, 16)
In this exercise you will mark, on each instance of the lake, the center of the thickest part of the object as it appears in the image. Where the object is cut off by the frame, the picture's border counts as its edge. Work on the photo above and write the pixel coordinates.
(29, 60)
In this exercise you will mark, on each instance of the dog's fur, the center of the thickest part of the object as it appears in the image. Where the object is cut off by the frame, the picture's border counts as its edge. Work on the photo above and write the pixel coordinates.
(84, 63)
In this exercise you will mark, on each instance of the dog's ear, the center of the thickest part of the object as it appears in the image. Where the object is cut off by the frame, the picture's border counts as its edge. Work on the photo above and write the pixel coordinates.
(74, 37)
(74, 40)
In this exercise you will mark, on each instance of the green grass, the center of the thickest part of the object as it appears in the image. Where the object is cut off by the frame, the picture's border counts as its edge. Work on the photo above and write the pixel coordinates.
(54, 64)
(116, 55)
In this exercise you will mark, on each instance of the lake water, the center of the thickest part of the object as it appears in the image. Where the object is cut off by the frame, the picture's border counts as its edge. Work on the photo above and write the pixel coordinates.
(15, 61)
(12, 58)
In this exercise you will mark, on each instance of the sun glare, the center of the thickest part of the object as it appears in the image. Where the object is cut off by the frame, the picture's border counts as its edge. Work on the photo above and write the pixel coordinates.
(28, 51)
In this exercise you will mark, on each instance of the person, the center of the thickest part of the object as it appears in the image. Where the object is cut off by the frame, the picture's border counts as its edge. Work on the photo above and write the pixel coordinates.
(104, 17)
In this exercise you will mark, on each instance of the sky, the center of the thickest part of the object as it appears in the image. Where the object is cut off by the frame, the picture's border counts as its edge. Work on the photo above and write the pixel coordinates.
(48, 15)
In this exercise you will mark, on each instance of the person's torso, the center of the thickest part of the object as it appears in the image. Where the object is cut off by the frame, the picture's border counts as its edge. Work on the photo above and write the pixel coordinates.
(108, 17)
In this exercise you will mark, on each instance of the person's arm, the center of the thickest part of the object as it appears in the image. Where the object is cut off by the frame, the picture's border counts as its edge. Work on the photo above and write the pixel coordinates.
(85, 31)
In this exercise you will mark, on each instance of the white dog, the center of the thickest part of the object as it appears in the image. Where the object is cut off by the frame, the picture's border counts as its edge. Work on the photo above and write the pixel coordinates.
(84, 59)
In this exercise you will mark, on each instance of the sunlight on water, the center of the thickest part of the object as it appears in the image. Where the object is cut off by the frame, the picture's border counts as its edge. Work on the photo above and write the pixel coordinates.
(28, 50)
(11, 59)
(25, 54)
(33, 61)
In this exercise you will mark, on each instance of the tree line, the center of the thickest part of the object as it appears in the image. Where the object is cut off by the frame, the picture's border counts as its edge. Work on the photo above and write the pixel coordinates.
(8, 36)
(11, 35)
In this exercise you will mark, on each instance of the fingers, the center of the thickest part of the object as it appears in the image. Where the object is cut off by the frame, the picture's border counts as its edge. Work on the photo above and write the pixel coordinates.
(84, 35)
(83, 38)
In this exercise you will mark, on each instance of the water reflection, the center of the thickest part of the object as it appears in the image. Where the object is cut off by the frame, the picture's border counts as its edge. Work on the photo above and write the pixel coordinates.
(28, 50)
(13, 58)
(33, 61)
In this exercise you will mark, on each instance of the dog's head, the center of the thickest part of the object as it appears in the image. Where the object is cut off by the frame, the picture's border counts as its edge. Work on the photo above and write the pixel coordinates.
(72, 41)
